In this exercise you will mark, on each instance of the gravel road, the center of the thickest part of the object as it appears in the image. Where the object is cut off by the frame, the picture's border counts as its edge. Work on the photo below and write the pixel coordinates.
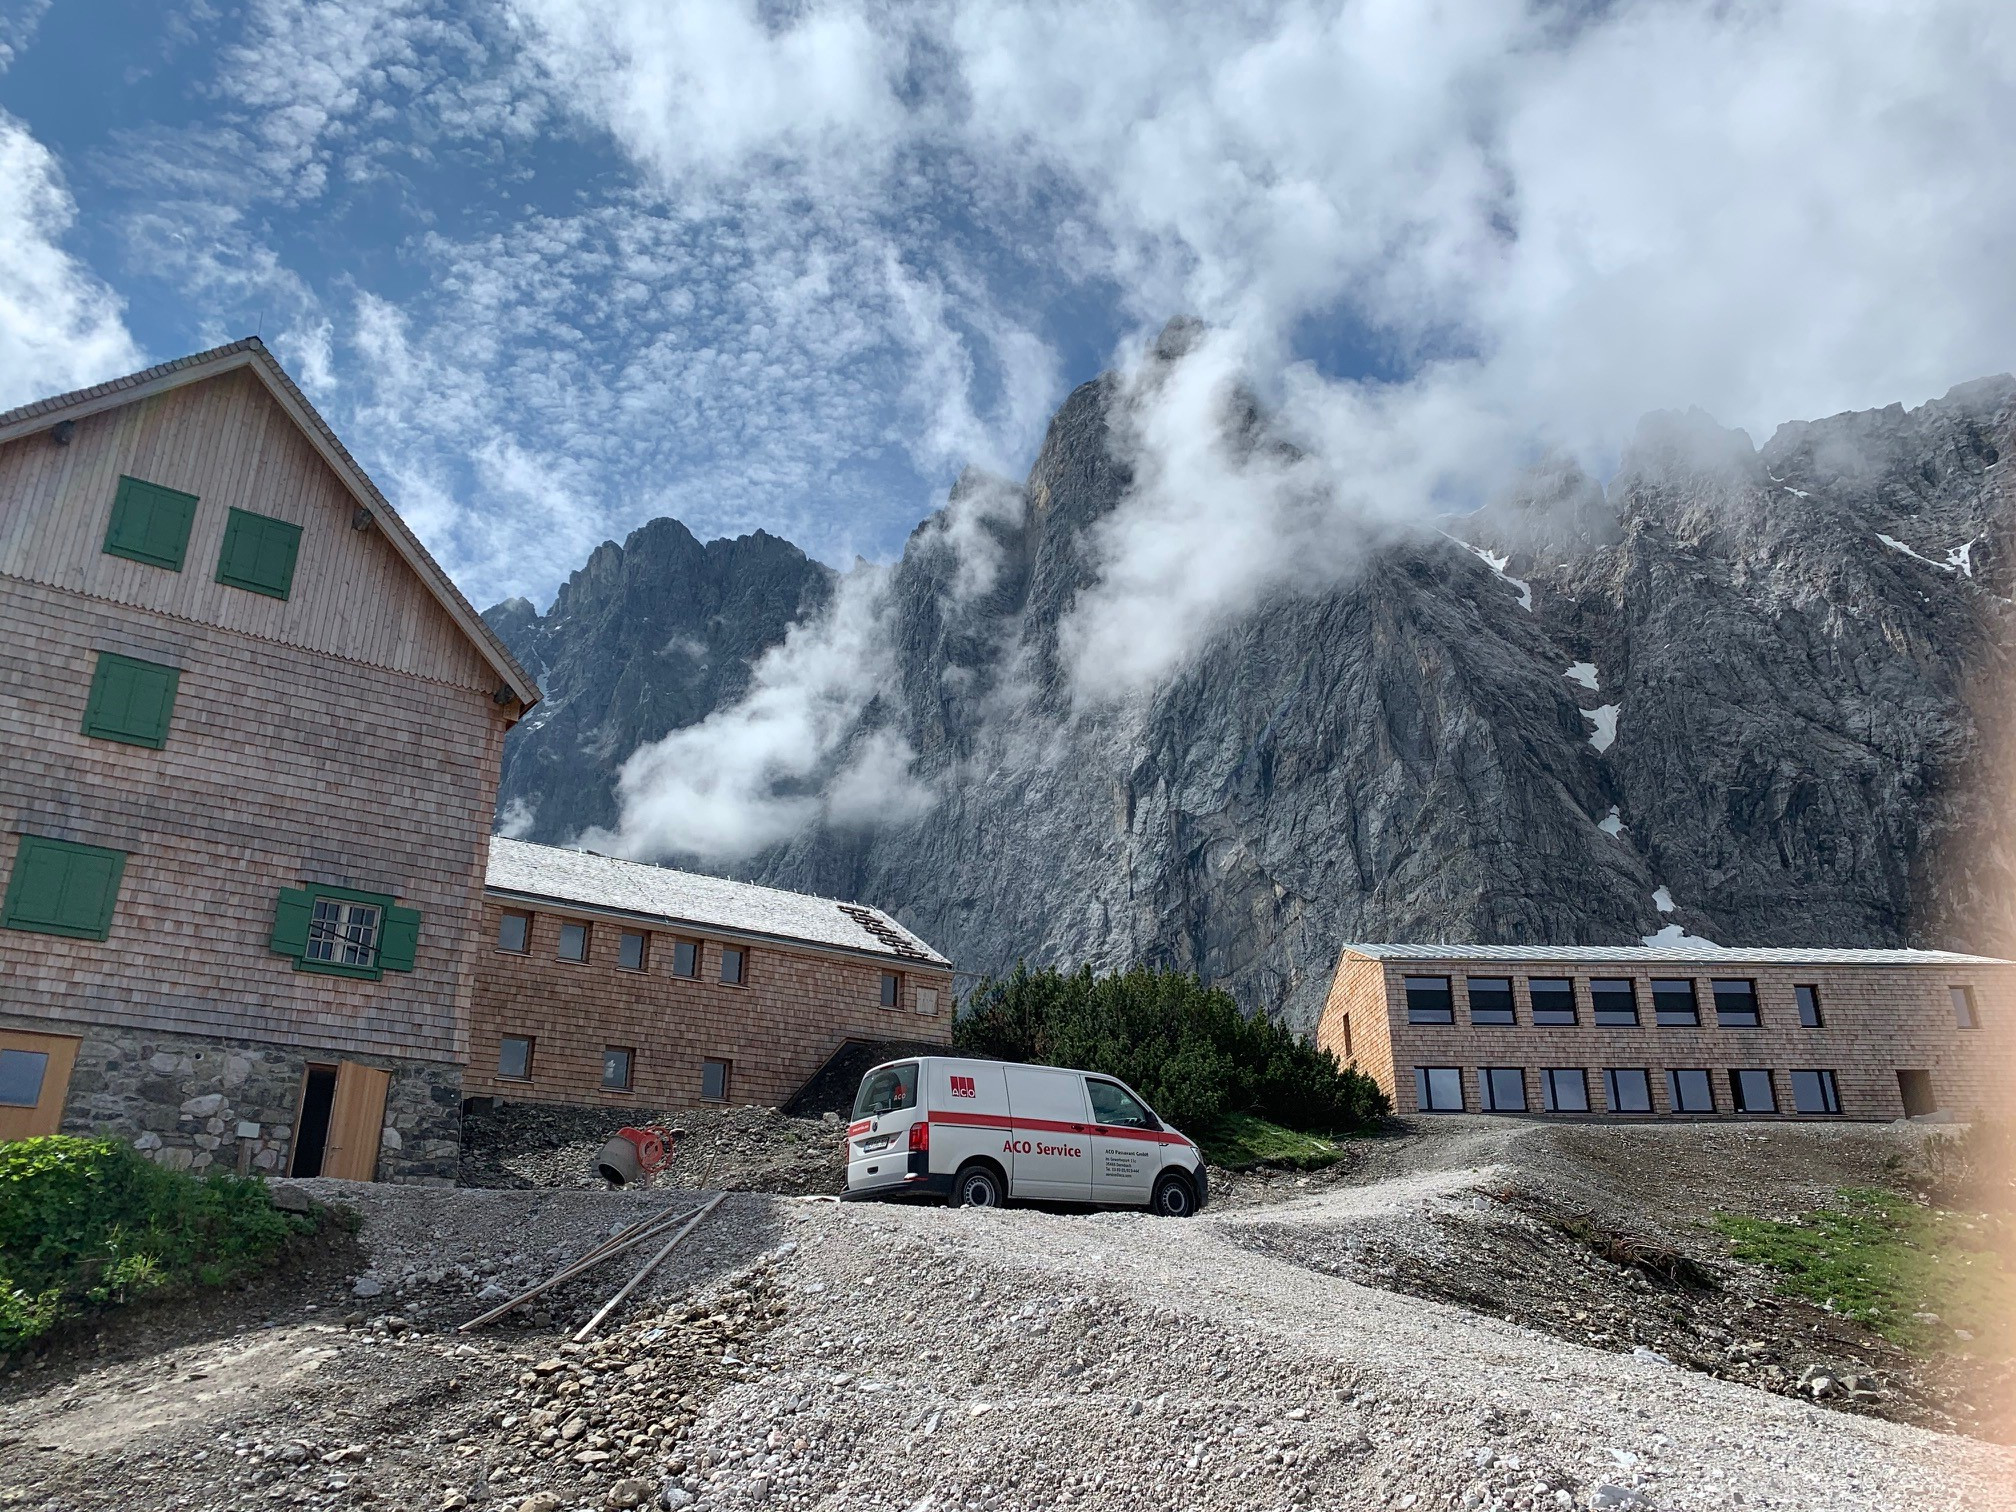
(799, 1353)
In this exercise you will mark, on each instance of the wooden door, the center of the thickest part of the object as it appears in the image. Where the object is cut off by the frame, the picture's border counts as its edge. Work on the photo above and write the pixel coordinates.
(356, 1122)
(34, 1082)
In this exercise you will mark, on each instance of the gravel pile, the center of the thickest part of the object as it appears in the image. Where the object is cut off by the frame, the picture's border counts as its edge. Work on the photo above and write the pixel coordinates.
(524, 1145)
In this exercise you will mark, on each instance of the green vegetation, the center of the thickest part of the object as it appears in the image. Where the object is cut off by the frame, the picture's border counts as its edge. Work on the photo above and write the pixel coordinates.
(89, 1223)
(1239, 1140)
(1892, 1264)
(1186, 1048)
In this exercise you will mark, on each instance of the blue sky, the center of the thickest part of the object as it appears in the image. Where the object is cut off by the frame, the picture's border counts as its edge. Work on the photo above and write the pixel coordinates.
(554, 267)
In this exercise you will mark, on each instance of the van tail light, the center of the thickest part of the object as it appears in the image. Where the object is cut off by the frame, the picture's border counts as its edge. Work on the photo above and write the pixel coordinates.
(920, 1135)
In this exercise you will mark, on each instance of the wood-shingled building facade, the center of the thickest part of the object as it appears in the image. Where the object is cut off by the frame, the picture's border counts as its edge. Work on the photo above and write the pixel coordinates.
(252, 738)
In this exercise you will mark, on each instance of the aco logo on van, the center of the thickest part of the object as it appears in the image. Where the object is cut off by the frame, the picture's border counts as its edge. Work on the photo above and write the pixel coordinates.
(1027, 1147)
(962, 1086)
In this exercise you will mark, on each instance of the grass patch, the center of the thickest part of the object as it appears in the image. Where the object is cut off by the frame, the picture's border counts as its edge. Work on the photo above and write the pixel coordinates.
(1885, 1260)
(87, 1224)
(1238, 1141)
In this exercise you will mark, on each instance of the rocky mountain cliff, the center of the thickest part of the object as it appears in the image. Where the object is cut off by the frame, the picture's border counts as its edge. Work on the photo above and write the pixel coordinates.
(1752, 695)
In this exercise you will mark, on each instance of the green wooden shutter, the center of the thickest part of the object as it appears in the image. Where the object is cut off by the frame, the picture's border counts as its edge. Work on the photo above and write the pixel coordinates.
(150, 524)
(400, 939)
(131, 700)
(61, 888)
(290, 922)
(259, 554)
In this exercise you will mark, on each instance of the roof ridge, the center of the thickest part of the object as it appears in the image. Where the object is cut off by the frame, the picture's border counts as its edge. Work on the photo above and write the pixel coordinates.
(54, 402)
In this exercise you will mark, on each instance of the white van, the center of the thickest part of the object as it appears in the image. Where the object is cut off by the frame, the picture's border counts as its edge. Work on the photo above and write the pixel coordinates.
(978, 1132)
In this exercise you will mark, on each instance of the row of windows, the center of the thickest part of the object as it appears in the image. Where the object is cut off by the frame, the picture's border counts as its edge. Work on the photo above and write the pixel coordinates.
(60, 887)
(636, 947)
(151, 524)
(1626, 1089)
(1613, 1002)
(517, 1053)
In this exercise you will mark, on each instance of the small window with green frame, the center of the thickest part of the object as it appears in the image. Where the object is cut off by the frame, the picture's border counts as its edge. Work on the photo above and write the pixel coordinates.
(131, 700)
(59, 887)
(150, 524)
(259, 554)
(339, 931)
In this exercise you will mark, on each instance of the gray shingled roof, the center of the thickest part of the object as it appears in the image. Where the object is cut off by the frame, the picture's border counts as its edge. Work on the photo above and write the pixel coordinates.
(251, 352)
(1655, 955)
(532, 871)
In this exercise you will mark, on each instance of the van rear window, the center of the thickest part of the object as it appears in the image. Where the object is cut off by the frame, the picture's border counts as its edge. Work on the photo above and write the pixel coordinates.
(887, 1090)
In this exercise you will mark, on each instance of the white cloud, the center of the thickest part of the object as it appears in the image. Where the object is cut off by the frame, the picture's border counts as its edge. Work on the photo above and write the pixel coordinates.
(786, 756)
(60, 326)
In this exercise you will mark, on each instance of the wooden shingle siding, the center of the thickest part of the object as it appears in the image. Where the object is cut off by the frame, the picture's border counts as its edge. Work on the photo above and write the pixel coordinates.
(1879, 1019)
(795, 1010)
(226, 440)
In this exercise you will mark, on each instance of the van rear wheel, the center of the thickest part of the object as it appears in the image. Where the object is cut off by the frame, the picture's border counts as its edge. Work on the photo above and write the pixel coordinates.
(1174, 1196)
(977, 1185)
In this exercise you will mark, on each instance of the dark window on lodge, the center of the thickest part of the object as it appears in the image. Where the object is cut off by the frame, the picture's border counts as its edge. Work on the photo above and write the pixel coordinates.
(573, 942)
(1628, 1090)
(1809, 1007)
(1438, 1089)
(343, 933)
(131, 701)
(514, 933)
(1915, 1088)
(61, 888)
(1673, 1001)
(1736, 1004)
(150, 524)
(1490, 1000)
(21, 1077)
(616, 1068)
(1565, 1090)
(734, 964)
(1553, 999)
(1690, 1091)
(1963, 1007)
(1429, 1000)
(1348, 1054)
(633, 951)
(1752, 1092)
(714, 1080)
(1613, 1001)
(514, 1057)
(259, 553)
(1815, 1092)
(1501, 1089)
(686, 958)
(892, 989)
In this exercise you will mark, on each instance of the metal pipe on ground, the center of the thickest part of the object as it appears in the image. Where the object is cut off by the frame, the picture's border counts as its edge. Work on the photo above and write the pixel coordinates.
(649, 1266)
(639, 1232)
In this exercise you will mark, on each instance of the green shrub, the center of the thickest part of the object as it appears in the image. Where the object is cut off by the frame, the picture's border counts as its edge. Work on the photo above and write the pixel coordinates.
(1185, 1047)
(88, 1223)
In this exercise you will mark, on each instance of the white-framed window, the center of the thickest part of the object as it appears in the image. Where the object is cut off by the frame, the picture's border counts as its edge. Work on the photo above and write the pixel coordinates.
(1501, 1089)
(344, 933)
(1565, 1090)
(1438, 1089)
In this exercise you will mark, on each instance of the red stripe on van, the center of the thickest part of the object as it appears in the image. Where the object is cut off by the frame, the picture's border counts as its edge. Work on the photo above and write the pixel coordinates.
(1052, 1126)
(860, 1128)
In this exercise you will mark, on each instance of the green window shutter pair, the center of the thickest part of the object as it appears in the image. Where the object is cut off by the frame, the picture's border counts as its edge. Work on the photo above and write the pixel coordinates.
(150, 524)
(398, 938)
(259, 553)
(61, 888)
(131, 701)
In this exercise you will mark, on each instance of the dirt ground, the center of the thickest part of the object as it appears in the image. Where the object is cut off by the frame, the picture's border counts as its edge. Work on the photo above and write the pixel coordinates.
(1427, 1325)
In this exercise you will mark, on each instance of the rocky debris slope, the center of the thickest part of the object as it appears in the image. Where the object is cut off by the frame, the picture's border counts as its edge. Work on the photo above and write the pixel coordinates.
(1751, 695)
(875, 1358)
(747, 1149)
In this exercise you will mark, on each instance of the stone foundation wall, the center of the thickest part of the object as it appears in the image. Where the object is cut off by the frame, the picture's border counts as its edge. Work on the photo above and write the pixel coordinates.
(200, 1104)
